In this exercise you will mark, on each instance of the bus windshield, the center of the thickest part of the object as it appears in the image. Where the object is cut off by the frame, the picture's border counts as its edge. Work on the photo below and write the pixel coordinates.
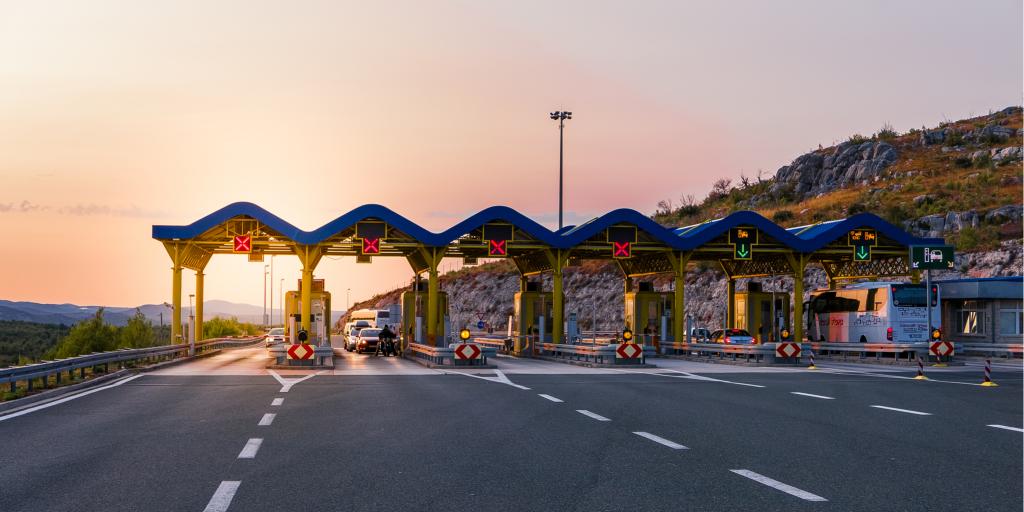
(909, 296)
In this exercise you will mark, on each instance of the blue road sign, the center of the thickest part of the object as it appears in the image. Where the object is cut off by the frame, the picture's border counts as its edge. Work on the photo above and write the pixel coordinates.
(480, 324)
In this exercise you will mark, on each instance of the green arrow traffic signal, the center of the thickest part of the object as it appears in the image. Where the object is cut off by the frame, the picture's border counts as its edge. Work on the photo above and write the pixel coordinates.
(742, 251)
(862, 253)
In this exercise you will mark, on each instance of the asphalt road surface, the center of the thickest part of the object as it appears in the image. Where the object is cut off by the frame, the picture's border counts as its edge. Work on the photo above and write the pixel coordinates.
(223, 433)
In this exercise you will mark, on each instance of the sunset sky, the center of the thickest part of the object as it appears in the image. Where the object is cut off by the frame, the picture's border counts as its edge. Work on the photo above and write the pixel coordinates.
(117, 115)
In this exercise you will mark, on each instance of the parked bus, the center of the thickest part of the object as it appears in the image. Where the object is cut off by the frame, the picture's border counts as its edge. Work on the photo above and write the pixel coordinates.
(377, 317)
(872, 312)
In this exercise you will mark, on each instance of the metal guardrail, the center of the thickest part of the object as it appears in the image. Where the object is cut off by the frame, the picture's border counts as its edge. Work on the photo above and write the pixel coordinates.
(598, 354)
(757, 353)
(908, 351)
(446, 355)
(1008, 350)
(28, 373)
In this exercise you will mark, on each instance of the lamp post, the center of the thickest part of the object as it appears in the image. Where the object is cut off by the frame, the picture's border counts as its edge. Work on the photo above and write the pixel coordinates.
(347, 292)
(191, 326)
(270, 313)
(281, 287)
(265, 274)
(560, 116)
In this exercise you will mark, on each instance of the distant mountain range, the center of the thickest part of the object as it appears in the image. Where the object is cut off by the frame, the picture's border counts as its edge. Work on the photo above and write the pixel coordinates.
(69, 314)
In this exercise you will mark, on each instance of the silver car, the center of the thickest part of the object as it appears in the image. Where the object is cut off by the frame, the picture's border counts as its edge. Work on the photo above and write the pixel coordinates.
(733, 337)
(274, 336)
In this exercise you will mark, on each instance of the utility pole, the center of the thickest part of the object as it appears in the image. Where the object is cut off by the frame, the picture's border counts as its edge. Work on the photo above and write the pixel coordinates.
(560, 116)
(265, 267)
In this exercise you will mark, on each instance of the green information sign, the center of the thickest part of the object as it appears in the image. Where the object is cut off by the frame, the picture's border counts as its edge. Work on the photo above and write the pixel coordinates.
(931, 257)
(742, 240)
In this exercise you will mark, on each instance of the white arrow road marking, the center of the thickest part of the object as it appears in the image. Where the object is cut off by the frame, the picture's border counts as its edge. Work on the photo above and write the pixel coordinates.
(593, 415)
(908, 411)
(688, 375)
(775, 484)
(267, 419)
(286, 384)
(250, 448)
(222, 497)
(1004, 427)
(500, 379)
(67, 399)
(661, 440)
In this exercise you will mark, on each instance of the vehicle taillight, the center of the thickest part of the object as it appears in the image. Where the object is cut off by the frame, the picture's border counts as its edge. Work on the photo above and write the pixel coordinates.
(753, 340)
(888, 334)
(727, 340)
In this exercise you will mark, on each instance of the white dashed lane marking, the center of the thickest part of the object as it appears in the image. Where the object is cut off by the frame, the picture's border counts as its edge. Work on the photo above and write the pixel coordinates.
(250, 448)
(267, 419)
(775, 484)
(823, 397)
(1004, 427)
(589, 414)
(661, 440)
(277, 401)
(908, 411)
(549, 397)
(222, 497)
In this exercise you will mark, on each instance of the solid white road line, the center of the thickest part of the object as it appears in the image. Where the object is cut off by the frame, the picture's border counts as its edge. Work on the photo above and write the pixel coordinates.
(250, 448)
(222, 497)
(67, 399)
(661, 440)
(688, 375)
(277, 401)
(823, 397)
(775, 484)
(549, 397)
(1004, 427)
(908, 411)
(267, 419)
(589, 414)
(286, 384)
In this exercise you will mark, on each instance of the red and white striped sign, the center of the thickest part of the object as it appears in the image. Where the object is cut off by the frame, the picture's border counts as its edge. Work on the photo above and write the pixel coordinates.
(941, 348)
(787, 350)
(467, 351)
(300, 351)
(629, 351)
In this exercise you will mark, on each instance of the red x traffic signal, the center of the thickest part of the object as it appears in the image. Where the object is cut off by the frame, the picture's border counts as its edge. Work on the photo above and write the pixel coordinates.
(622, 249)
(497, 248)
(371, 246)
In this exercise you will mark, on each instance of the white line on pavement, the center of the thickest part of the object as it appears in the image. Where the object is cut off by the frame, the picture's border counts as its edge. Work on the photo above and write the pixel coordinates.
(661, 440)
(688, 375)
(775, 484)
(1004, 427)
(250, 448)
(267, 419)
(823, 397)
(845, 371)
(277, 401)
(549, 397)
(67, 399)
(500, 379)
(908, 411)
(286, 384)
(222, 497)
(589, 414)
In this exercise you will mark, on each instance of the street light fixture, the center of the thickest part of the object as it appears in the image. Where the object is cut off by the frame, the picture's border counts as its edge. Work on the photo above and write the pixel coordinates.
(560, 116)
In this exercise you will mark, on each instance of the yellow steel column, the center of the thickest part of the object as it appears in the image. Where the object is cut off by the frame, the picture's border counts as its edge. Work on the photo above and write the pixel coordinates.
(177, 254)
(433, 302)
(199, 305)
(799, 263)
(557, 300)
(730, 318)
(310, 257)
(679, 261)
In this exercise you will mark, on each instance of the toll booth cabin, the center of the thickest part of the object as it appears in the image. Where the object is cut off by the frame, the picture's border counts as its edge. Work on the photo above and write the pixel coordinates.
(762, 314)
(414, 312)
(532, 312)
(649, 313)
(320, 314)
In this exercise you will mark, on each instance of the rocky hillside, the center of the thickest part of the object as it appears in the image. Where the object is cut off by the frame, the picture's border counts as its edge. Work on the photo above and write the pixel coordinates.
(961, 181)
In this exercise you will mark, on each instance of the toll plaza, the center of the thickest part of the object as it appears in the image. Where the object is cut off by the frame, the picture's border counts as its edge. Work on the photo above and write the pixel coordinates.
(744, 245)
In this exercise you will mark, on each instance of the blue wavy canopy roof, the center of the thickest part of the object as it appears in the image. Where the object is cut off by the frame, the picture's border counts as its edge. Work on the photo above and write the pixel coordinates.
(801, 239)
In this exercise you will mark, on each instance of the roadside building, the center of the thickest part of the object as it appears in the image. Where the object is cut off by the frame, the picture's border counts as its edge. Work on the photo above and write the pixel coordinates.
(983, 310)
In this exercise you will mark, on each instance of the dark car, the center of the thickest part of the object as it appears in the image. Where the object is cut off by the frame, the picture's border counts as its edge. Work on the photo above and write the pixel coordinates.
(733, 337)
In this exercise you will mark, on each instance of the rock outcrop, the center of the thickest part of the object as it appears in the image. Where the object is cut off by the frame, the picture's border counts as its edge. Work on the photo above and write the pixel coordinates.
(848, 163)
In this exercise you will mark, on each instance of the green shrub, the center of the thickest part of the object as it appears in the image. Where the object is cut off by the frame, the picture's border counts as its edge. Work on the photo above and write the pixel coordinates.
(855, 208)
(857, 139)
(781, 216)
(962, 161)
(983, 161)
(886, 132)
